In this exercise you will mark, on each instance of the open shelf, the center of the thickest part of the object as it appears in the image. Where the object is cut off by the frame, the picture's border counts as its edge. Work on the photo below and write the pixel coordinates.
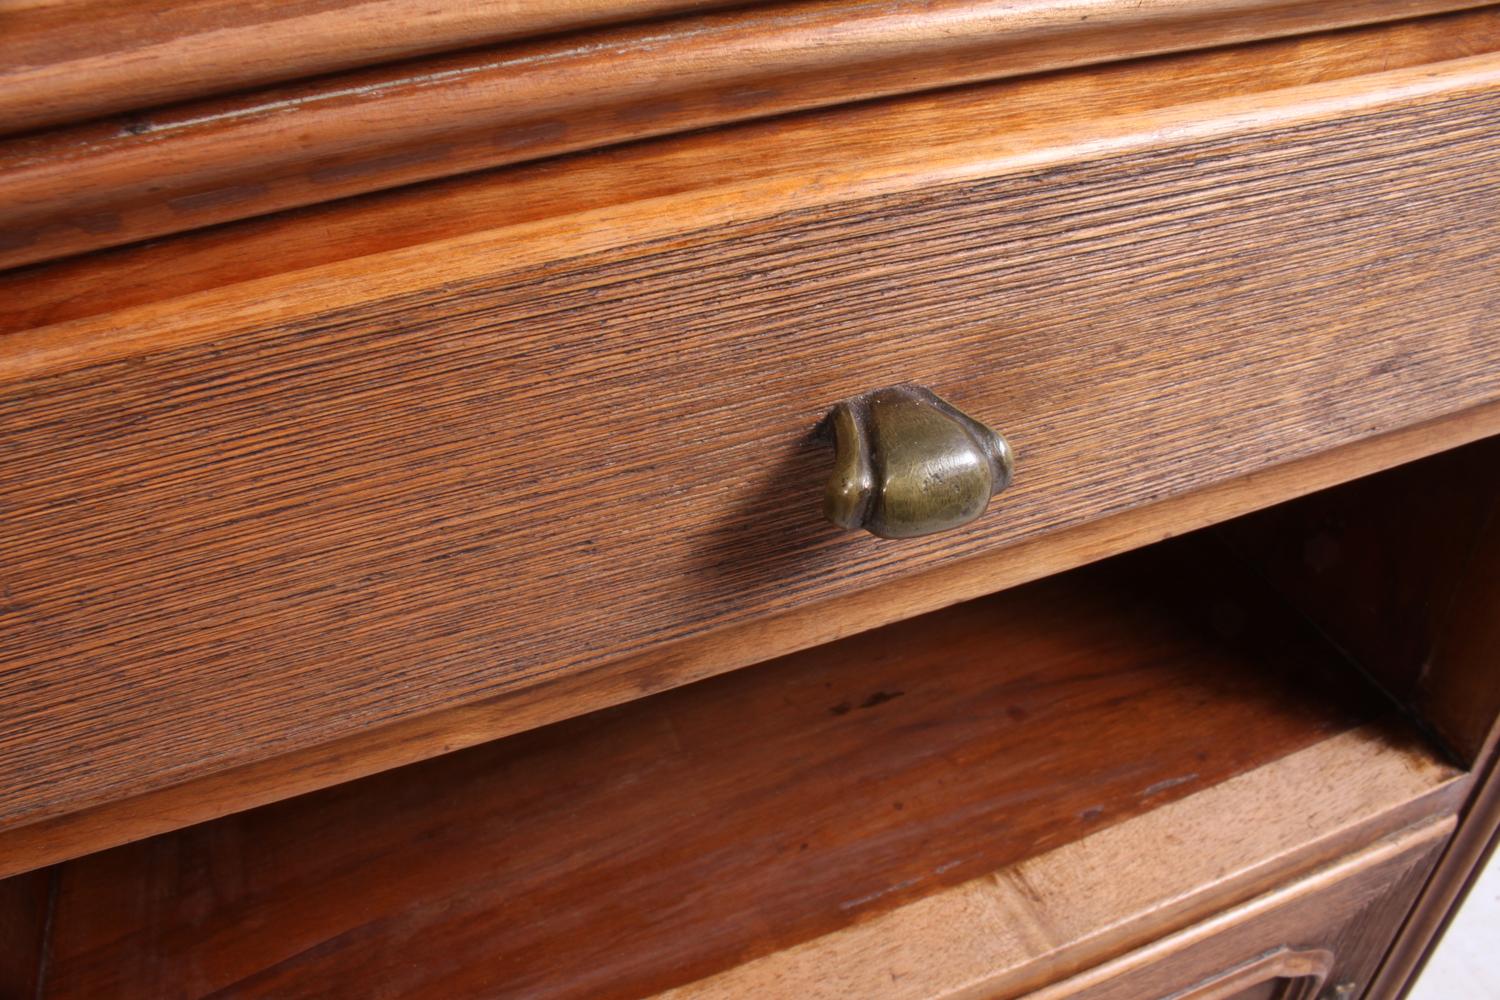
(638, 848)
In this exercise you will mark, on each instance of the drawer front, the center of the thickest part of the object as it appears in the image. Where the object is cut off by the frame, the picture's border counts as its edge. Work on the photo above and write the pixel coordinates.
(266, 516)
(1322, 936)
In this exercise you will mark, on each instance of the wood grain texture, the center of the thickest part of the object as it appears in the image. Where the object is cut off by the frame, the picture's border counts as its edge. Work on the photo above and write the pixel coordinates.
(1115, 892)
(1021, 117)
(734, 817)
(266, 780)
(1351, 910)
(67, 61)
(224, 555)
(118, 181)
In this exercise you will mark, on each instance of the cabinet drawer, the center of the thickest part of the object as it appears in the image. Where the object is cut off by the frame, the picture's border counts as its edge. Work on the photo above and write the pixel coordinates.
(1326, 932)
(256, 518)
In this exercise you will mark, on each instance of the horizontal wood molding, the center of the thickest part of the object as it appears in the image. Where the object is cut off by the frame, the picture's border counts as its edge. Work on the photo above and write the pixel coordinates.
(580, 207)
(68, 61)
(732, 174)
(278, 533)
(118, 181)
(1083, 904)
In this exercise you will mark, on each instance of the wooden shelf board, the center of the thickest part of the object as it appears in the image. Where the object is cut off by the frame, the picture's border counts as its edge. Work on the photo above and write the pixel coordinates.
(636, 848)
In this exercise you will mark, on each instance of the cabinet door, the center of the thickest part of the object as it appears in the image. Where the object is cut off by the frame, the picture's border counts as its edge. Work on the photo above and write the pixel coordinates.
(1322, 936)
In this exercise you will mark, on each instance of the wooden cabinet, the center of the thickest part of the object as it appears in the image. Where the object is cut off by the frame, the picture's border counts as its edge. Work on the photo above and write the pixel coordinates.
(1321, 936)
(413, 578)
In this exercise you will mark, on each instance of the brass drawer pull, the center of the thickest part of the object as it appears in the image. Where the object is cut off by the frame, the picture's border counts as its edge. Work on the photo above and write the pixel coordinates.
(907, 464)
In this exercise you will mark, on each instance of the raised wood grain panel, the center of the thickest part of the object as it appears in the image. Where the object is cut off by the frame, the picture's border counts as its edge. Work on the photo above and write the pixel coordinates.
(1351, 910)
(628, 850)
(1021, 117)
(263, 527)
(116, 181)
(76, 59)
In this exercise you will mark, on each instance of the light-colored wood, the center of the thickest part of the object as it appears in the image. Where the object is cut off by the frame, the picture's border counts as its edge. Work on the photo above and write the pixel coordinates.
(66, 60)
(300, 509)
(113, 182)
(1124, 888)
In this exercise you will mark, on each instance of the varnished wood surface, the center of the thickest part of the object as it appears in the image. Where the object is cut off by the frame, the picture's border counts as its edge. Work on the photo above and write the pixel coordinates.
(66, 61)
(640, 847)
(1118, 892)
(1019, 118)
(274, 520)
(268, 779)
(117, 181)
(1350, 910)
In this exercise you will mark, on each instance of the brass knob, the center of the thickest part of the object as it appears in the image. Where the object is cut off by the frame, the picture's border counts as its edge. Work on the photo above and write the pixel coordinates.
(907, 464)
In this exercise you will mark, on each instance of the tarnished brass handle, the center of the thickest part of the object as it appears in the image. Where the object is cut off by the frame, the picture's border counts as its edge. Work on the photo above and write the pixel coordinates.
(907, 464)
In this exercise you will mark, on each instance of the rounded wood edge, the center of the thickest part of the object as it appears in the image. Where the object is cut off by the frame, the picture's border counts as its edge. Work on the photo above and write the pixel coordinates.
(218, 312)
(119, 181)
(138, 56)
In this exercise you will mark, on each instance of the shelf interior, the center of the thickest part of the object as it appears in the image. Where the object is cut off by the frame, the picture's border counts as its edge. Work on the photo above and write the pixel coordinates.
(641, 847)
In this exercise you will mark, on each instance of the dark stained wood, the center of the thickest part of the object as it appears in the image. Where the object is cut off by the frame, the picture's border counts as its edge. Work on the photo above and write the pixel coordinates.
(1335, 925)
(1023, 115)
(150, 173)
(1473, 845)
(264, 519)
(79, 59)
(1384, 565)
(25, 916)
(1459, 690)
(1459, 697)
(631, 849)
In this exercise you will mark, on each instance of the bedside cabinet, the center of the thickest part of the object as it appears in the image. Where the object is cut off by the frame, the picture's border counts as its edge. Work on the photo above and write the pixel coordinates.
(630, 498)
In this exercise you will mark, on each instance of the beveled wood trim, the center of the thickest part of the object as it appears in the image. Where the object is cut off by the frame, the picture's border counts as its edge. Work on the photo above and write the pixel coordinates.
(1408, 852)
(724, 201)
(115, 822)
(1474, 842)
(1012, 118)
(118, 181)
(1109, 902)
(1308, 970)
(76, 59)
